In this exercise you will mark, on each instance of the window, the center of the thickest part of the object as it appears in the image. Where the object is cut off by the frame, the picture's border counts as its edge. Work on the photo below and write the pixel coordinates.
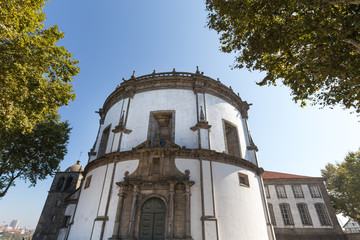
(321, 212)
(103, 142)
(60, 184)
(243, 180)
(161, 128)
(280, 191)
(231, 139)
(314, 190)
(53, 218)
(58, 203)
(66, 221)
(286, 214)
(272, 215)
(156, 165)
(68, 184)
(297, 190)
(267, 193)
(88, 181)
(304, 214)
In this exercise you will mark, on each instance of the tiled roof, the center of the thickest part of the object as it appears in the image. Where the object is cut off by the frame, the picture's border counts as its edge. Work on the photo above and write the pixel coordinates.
(278, 175)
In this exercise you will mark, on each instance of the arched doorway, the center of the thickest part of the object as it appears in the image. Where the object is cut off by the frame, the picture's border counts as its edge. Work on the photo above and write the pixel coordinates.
(152, 223)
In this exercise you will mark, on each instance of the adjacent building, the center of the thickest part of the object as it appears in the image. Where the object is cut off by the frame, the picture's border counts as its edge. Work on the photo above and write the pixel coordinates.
(300, 208)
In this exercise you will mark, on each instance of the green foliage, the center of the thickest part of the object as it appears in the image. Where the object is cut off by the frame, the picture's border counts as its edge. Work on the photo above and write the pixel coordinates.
(32, 156)
(14, 236)
(313, 47)
(343, 184)
(35, 74)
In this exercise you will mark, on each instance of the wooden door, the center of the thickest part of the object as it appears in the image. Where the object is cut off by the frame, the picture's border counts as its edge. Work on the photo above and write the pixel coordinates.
(152, 223)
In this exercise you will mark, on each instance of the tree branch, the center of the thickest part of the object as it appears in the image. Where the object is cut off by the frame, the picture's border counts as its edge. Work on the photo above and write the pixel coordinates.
(12, 179)
(354, 43)
(355, 2)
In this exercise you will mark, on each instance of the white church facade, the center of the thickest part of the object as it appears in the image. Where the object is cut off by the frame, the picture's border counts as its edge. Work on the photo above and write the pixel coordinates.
(173, 159)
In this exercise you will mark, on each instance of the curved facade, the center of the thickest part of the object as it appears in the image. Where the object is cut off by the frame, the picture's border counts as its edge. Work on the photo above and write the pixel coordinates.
(173, 159)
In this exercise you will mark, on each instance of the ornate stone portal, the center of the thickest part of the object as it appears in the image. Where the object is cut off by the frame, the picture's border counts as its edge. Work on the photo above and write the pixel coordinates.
(154, 201)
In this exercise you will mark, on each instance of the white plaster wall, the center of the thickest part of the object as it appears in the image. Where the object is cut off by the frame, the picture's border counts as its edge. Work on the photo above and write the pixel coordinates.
(183, 102)
(121, 168)
(112, 117)
(88, 206)
(217, 111)
(196, 209)
(292, 201)
(239, 209)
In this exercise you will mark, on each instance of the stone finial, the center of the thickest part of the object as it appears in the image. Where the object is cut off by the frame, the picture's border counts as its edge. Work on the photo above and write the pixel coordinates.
(218, 79)
(124, 79)
(78, 162)
(59, 169)
(174, 70)
(126, 174)
(122, 118)
(202, 116)
(197, 70)
(154, 72)
(133, 75)
(187, 172)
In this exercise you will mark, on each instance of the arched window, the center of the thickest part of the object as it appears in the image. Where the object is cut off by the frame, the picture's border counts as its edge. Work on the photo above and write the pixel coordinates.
(286, 214)
(152, 223)
(103, 142)
(68, 184)
(304, 214)
(231, 139)
(322, 214)
(60, 184)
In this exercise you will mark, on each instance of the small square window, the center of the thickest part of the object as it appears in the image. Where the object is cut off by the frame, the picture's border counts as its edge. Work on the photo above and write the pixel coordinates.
(280, 190)
(58, 203)
(87, 182)
(315, 191)
(297, 190)
(243, 180)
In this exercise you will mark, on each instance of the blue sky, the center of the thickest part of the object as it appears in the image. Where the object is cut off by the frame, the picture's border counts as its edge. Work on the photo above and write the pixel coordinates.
(112, 38)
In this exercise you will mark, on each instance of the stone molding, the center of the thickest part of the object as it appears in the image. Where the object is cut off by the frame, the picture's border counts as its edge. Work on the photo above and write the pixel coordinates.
(175, 152)
(174, 80)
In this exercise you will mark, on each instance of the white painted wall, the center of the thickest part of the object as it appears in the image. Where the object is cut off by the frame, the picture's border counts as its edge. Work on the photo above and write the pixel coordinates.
(239, 209)
(121, 168)
(183, 102)
(292, 201)
(196, 209)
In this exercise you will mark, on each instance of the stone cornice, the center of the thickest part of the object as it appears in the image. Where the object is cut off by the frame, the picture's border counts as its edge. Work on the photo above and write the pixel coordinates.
(175, 80)
(203, 154)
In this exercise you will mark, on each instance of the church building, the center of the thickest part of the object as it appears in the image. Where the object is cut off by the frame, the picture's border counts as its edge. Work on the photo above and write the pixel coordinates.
(173, 159)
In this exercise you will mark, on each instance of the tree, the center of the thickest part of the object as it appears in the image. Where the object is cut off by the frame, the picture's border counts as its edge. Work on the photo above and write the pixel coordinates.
(312, 46)
(35, 74)
(343, 184)
(32, 156)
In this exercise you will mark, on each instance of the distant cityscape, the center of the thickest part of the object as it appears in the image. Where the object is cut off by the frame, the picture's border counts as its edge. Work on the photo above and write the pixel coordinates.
(14, 230)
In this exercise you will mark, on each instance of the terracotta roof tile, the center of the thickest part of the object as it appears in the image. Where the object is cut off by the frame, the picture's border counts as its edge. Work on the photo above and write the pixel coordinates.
(278, 175)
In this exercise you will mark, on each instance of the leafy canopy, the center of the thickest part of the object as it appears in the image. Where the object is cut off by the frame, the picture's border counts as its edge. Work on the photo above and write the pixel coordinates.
(32, 156)
(343, 184)
(313, 46)
(35, 74)
(35, 80)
